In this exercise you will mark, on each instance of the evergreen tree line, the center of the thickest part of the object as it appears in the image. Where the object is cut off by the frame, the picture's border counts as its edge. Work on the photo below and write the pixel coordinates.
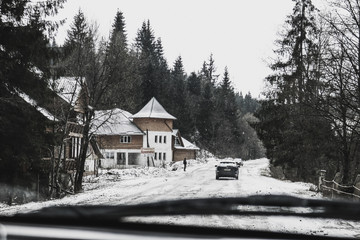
(208, 110)
(310, 119)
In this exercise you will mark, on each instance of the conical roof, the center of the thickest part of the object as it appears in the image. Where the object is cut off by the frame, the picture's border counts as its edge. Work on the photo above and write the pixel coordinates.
(153, 109)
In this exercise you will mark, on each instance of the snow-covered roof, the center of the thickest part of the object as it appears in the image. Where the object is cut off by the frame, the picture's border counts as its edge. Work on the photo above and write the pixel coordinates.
(33, 103)
(175, 132)
(68, 88)
(114, 122)
(187, 145)
(153, 109)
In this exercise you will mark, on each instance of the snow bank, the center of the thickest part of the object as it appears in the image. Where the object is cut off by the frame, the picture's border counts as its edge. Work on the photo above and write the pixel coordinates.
(107, 176)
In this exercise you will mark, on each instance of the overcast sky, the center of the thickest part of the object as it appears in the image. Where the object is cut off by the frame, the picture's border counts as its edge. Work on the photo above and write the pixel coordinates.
(239, 33)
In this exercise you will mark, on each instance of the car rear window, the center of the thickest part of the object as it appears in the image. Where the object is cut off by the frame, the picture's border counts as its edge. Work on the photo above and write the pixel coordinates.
(227, 163)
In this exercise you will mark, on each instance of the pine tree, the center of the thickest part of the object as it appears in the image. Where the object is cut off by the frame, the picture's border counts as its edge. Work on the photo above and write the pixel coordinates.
(194, 84)
(162, 73)
(193, 97)
(24, 61)
(145, 40)
(118, 34)
(178, 78)
(145, 45)
(226, 124)
(153, 67)
(209, 71)
(296, 56)
(177, 94)
(123, 93)
(77, 46)
(205, 123)
(208, 118)
(288, 122)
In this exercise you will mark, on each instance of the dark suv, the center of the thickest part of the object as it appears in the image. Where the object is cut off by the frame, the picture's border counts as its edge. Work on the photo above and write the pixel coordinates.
(227, 169)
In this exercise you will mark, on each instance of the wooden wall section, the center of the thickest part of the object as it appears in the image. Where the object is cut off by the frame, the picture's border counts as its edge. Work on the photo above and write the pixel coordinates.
(154, 124)
(180, 154)
(113, 142)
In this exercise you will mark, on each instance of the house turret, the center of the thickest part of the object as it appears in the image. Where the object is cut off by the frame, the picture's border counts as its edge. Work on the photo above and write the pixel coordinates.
(153, 117)
(157, 123)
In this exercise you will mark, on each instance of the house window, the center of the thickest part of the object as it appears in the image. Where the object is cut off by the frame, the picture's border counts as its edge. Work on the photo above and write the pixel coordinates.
(159, 156)
(109, 155)
(120, 158)
(177, 141)
(164, 156)
(155, 156)
(125, 139)
(159, 139)
(155, 138)
(164, 139)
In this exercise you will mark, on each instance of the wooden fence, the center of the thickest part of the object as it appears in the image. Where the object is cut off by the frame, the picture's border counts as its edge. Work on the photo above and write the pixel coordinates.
(334, 190)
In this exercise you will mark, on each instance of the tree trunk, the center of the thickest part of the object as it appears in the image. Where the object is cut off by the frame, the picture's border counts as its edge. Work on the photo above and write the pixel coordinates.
(300, 67)
(358, 62)
(80, 166)
(345, 148)
(346, 162)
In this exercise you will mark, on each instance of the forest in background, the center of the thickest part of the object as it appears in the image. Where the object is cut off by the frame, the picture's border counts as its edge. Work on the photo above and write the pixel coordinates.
(209, 112)
(117, 74)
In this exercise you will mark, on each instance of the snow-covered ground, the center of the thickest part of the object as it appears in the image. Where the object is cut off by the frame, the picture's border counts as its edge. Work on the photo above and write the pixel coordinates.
(132, 186)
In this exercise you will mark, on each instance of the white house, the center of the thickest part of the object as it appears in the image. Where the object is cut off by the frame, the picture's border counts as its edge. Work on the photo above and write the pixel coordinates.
(146, 138)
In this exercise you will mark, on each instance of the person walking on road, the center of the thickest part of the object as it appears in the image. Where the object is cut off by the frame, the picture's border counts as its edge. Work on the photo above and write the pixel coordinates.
(184, 164)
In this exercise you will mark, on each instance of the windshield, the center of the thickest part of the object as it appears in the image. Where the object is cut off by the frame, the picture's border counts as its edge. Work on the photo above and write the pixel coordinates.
(124, 104)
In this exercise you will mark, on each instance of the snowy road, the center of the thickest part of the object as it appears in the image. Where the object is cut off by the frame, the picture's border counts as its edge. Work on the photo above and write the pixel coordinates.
(199, 182)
